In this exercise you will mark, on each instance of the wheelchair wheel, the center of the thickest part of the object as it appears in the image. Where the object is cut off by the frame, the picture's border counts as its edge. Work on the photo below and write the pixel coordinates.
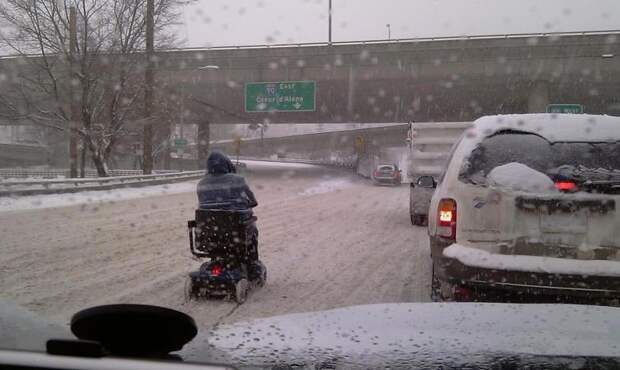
(241, 290)
(262, 280)
(190, 290)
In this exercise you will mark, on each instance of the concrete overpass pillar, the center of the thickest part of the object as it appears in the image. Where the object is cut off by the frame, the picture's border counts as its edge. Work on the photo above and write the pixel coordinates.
(538, 99)
(203, 137)
(351, 92)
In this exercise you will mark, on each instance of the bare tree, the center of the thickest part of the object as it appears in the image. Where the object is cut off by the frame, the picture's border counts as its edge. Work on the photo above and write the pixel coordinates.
(105, 80)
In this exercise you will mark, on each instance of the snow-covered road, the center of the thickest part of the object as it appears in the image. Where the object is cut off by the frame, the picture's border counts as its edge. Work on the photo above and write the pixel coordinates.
(329, 239)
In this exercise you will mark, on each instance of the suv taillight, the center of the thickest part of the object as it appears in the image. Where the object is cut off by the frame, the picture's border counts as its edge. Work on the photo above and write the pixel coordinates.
(566, 186)
(446, 226)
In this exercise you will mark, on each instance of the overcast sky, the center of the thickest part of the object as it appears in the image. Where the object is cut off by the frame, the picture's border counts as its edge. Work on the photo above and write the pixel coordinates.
(237, 22)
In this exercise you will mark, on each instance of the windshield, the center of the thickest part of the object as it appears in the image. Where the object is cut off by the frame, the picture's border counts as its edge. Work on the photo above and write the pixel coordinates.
(293, 176)
(593, 160)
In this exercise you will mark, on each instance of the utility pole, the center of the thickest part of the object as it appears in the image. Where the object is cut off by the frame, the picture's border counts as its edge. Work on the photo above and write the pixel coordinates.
(147, 147)
(74, 114)
(202, 146)
(389, 31)
(330, 22)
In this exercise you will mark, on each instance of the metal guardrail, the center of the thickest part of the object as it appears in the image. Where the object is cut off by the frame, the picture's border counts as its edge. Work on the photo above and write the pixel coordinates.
(58, 186)
(61, 172)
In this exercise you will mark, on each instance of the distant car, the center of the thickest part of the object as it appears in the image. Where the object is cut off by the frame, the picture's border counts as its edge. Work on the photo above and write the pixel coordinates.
(420, 199)
(387, 174)
(528, 209)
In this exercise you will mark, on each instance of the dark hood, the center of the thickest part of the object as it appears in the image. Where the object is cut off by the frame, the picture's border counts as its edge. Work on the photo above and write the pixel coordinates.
(218, 163)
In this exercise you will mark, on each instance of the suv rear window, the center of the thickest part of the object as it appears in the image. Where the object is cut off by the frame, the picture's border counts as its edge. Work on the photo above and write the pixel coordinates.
(582, 160)
(386, 168)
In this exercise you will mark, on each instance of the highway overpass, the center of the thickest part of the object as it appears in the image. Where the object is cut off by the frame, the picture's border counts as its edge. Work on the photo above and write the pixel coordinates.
(428, 79)
(424, 80)
(442, 79)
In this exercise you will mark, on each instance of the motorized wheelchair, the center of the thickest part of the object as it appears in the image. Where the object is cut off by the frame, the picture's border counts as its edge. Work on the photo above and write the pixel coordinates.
(228, 239)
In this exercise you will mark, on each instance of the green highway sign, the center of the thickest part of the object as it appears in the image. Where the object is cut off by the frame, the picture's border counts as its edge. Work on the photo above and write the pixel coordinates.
(565, 108)
(286, 96)
(180, 142)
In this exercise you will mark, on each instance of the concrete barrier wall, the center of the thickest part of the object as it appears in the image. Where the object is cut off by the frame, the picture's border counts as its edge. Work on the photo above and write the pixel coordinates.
(426, 155)
(364, 148)
(339, 145)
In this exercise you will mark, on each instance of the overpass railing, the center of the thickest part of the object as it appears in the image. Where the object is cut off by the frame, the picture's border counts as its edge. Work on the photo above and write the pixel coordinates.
(370, 42)
(403, 40)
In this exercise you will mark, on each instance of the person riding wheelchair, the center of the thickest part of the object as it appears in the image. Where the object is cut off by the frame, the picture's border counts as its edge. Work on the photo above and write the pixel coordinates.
(224, 231)
(223, 189)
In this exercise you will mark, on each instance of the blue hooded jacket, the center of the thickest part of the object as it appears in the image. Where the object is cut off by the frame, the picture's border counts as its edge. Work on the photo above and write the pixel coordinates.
(221, 188)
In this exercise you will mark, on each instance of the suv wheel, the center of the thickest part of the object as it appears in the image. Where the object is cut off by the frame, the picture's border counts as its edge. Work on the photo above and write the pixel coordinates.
(441, 291)
(435, 285)
(417, 220)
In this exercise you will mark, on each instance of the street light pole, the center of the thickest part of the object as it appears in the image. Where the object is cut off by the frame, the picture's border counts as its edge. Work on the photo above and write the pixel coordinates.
(147, 150)
(74, 115)
(203, 134)
(389, 31)
(330, 22)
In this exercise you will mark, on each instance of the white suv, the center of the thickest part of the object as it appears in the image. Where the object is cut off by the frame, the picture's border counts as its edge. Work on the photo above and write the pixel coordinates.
(526, 210)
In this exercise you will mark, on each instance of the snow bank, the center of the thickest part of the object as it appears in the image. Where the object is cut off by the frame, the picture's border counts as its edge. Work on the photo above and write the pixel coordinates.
(327, 186)
(519, 177)
(475, 257)
(63, 200)
(406, 333)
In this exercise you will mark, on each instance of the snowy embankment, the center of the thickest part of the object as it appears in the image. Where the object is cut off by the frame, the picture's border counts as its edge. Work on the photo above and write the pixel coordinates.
(97, 196)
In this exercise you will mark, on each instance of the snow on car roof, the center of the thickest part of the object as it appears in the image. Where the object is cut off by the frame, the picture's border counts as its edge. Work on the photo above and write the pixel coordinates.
(551, 126)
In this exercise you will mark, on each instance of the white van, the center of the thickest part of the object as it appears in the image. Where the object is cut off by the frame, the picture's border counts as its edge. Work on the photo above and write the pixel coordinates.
(526, 210)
